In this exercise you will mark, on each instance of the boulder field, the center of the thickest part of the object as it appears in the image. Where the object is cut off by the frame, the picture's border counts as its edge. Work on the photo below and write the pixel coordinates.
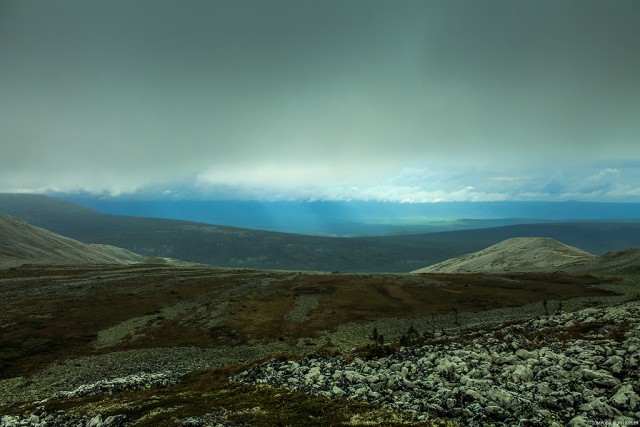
(568, 369)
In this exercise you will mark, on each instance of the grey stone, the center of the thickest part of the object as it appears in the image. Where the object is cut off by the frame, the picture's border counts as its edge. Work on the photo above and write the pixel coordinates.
(378, 386)
(445, 367)
(473, 394)
(337, 391)
(579, 421)
(522, 373)
(495, 412)
(500, 396)
(625, 398)
(95, 421)
(599, 407)
(113, 420)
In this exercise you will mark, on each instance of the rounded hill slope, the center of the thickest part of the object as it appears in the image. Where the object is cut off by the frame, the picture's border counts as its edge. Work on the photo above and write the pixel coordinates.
(22, 243)
(519, 254)
(626, 261)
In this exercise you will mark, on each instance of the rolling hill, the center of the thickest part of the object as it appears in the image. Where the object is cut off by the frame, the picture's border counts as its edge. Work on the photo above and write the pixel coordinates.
(245, 248)
(625, 261)
(518, 254)
(21, 243)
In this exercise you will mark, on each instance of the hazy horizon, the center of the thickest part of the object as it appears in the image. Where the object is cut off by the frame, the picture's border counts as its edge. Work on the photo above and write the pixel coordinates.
(300, 100)
(361, 218)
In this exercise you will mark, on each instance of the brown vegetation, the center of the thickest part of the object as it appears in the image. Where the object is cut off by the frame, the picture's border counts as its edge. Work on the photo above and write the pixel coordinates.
(51, 313)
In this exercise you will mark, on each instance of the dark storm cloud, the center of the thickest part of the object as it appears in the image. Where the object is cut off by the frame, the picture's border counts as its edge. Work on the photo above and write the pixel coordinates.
(319, 99)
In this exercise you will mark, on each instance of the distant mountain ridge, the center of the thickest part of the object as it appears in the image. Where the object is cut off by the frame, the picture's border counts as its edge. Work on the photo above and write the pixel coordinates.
(246, 248)
(519, 254)
(21, 243)
(361, 218)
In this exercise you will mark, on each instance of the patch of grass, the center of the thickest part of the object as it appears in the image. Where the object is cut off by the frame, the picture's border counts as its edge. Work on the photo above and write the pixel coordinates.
(582, 331)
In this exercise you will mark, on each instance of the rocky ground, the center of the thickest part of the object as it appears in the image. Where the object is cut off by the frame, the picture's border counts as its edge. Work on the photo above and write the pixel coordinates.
(163, 360)
(573, 368)
(568, 369)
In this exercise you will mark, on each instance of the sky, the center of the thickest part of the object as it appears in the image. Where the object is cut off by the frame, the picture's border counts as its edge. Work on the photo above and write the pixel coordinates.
(383, 100)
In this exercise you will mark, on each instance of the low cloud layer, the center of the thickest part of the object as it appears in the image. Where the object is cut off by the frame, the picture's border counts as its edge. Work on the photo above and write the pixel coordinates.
(408, 185)
(420, 185)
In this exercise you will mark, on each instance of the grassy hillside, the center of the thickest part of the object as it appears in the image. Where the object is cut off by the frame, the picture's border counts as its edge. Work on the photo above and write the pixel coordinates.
(237, 247)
